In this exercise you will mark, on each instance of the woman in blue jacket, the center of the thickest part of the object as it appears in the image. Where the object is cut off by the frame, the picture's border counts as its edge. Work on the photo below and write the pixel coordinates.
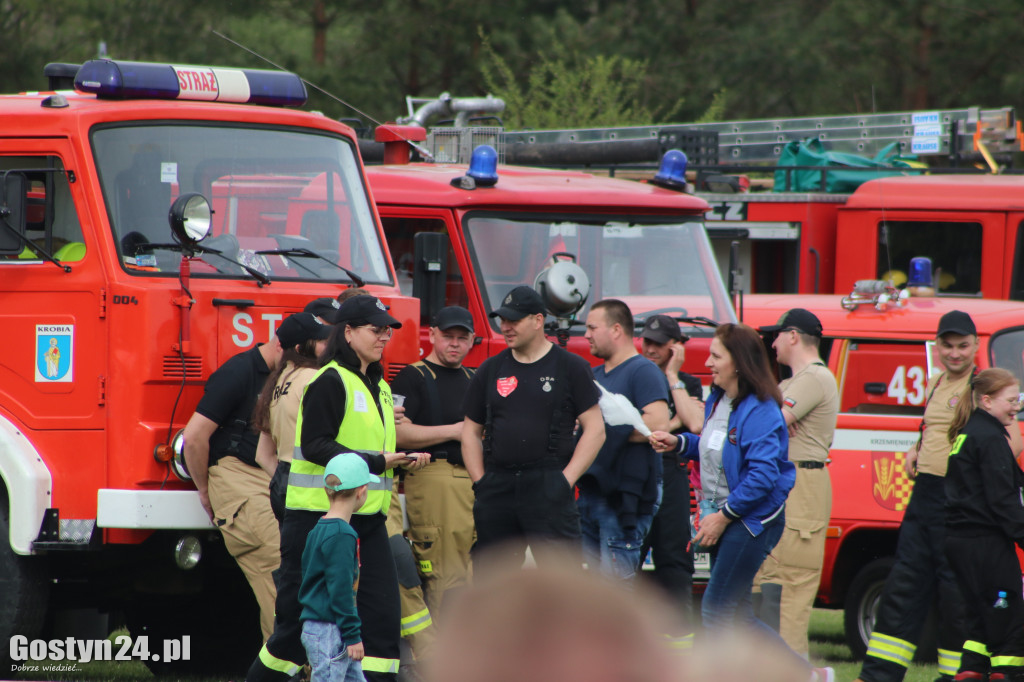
(745, 473)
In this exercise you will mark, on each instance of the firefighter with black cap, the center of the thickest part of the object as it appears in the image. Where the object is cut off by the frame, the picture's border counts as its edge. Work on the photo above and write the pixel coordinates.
(346, 407)
(810, 404)
(439, 497)
(922, 574)
(663, 343)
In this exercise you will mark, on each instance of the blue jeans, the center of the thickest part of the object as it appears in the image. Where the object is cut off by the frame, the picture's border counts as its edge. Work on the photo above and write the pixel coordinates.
(327, 654)
(735, 559)
(605, 542)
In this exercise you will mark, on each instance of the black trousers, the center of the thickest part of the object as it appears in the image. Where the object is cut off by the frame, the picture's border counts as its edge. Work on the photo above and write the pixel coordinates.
(984, 566)
(377, 599)
(920, 577)
(669, 536)
(516, 508)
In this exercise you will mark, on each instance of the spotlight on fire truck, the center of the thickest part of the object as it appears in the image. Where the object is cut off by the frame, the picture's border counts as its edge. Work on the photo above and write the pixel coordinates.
(112, 79)
(672, 173)
(190, 218)
(563, 286)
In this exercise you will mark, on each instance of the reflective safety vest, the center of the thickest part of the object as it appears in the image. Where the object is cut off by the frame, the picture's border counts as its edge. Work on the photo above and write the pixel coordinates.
(361, 430)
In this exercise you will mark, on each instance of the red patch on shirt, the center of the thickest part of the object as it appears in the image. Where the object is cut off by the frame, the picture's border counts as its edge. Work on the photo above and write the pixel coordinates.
(506, 385)
(789, 402)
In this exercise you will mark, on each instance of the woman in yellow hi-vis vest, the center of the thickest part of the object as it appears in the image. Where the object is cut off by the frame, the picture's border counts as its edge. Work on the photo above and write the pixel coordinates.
(346, 407)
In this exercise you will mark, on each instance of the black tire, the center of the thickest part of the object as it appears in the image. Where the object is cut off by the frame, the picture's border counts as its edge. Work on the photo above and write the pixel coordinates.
(222, 621)
(861, 608)
(24, 590)
(861, 604)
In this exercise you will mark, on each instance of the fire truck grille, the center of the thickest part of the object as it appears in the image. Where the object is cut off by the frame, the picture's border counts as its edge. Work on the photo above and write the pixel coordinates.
(393, 369)
(176, 368)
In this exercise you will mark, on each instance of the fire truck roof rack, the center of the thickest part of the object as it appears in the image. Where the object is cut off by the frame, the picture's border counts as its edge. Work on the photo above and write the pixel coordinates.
(925, 133)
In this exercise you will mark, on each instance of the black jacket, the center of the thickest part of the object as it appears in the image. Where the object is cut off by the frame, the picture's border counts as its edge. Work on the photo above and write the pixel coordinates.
(984, 484)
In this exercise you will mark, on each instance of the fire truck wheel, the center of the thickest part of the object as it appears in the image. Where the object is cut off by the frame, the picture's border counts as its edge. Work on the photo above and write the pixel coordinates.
(222, 622)
(861, 605)
(24, 590)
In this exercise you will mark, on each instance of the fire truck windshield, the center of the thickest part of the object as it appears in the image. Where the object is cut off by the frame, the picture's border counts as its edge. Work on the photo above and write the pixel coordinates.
(1007, 351)
(296, 196)
(651, 263)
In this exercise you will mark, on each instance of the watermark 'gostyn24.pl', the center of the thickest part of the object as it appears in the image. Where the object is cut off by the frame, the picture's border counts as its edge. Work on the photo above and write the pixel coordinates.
(122, 648)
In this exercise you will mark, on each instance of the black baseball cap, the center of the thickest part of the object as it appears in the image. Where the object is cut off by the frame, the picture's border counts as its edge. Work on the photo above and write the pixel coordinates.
(298, 328)
(519, 303)
(957, 322)
(365, 309)
(453, 316)
(662, 329)
(802, 320)
(324, 307)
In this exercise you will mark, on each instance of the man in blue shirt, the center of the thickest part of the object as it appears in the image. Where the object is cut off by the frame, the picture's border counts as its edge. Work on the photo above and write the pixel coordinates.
(621, 490)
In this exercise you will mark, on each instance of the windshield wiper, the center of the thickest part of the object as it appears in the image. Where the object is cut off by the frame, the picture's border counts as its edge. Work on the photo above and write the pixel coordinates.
(260, 278)
(309, 253)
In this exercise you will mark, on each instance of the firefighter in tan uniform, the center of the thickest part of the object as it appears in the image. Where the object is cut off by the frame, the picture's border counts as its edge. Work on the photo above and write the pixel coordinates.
(810, 405)
(232, 476)
(439, 497)
(922, 576)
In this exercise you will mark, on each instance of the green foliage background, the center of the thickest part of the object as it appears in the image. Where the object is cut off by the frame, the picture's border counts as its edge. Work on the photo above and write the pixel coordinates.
(562, 64)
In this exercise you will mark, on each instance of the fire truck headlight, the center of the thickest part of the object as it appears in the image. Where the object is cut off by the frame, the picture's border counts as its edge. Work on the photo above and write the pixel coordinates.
(190, 218)
(178, 459)
(187, 552)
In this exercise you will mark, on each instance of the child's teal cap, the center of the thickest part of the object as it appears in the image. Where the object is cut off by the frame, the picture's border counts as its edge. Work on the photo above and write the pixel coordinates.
(351, 470)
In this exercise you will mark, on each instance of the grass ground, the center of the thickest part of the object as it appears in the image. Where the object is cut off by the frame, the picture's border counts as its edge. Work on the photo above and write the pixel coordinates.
(828, 647)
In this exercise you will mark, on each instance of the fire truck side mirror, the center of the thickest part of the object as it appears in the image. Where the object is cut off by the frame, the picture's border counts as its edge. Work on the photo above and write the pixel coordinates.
(430, 274)
(12, 213)
(190, 218)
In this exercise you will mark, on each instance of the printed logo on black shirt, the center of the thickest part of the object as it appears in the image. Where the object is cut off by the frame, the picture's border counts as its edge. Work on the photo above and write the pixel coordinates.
(506, 385)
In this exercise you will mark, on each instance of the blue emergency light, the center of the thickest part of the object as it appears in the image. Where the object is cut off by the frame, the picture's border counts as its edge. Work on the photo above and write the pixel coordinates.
(672, 173)
(483, 165)
(920, 272)
(144, 80)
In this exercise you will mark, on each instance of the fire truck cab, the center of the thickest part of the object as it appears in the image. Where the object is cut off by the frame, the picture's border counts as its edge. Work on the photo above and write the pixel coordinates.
(465, 242)
(113, 322)
(881, 355)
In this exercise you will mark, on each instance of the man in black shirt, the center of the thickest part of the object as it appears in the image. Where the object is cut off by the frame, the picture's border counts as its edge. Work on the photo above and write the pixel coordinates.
(439, 497)
(234, 488)
(517, 440)
(662, 342)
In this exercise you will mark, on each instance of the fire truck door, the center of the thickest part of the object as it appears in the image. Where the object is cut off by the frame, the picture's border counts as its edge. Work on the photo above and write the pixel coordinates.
(882, 388)
(1014, 255)
(54, 366)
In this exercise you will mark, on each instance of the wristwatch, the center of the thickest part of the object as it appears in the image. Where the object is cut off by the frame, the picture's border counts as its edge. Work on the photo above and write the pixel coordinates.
(679, 384)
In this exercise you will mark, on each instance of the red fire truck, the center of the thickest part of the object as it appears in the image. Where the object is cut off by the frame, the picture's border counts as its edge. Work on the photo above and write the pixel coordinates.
(154, 221)
(467, 234)
(806, 233)
(881, 355)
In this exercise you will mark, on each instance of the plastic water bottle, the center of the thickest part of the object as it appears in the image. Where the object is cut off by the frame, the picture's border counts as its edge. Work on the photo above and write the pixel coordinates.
(1001, 601)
